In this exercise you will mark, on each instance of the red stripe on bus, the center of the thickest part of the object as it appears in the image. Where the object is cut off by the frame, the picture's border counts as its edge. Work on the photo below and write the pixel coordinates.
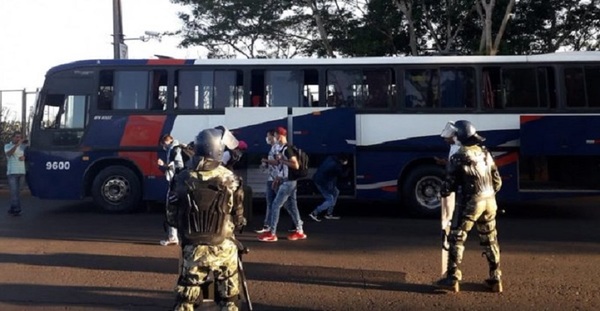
(390, 188)
(166, 61)
(506, 159)
(525, 119)
(142, 131)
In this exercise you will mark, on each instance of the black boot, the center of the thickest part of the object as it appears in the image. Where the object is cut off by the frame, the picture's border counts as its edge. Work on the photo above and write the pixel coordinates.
(451, 281)
(448, 283)
(494, 282)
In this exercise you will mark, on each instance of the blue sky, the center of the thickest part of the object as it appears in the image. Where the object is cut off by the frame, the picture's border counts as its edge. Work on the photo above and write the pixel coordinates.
(36, 35)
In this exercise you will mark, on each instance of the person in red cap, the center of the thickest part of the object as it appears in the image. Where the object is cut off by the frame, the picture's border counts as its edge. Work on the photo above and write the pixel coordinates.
(285, 188)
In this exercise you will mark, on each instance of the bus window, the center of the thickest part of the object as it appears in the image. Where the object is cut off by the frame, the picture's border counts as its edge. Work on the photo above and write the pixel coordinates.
(66, 113)
(518, 87)
(380, 88)
(421, 88)
(575, 86)
(546, 87)
(457, 88)
(158, 97)
(120, 90)
(283, 88)
(208, 89)
(360, 88)
(592, 79)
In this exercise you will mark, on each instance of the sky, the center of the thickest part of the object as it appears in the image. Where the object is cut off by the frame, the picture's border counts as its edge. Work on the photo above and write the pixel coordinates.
(36, 35)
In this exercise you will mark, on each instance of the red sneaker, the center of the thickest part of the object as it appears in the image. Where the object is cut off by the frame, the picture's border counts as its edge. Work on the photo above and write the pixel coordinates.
(267, 237)
(297, 235)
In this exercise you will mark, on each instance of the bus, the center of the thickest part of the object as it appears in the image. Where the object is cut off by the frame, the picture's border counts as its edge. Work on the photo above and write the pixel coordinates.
(97, 123)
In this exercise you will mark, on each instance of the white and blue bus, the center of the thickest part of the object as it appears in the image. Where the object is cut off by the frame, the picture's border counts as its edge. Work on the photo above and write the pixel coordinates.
(97, 123)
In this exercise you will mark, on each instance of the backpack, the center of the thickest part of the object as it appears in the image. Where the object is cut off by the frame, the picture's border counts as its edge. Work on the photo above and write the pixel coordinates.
(203, 210)
(303, 161)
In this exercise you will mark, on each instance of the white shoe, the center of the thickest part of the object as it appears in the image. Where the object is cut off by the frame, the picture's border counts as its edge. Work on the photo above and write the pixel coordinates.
(169, 242)
(314, 217)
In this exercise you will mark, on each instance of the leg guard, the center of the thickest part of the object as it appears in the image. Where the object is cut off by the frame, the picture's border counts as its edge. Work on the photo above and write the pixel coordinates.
(457, 240)
(488, 239)
(186, 297)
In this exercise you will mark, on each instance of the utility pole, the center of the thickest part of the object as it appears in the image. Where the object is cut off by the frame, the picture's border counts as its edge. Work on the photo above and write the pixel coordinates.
(118, 38)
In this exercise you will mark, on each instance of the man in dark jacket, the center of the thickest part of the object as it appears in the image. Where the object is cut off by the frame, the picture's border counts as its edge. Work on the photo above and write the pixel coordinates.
(325, 178)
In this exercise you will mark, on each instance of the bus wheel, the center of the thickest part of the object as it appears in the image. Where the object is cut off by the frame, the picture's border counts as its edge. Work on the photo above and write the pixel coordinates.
(420, 191)
(117, 189)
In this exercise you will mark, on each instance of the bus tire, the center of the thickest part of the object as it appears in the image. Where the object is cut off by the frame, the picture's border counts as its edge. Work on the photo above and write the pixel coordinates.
(117, 189)
(420, 191)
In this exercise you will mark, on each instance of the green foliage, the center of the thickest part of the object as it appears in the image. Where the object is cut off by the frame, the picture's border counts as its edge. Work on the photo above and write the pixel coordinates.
(287, 28)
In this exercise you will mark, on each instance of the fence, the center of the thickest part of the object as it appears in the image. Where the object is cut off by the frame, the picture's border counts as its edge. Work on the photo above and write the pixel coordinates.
(16, 111)
(16, 106)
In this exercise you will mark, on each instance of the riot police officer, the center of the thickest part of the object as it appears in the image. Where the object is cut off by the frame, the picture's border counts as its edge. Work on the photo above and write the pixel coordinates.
(472, 169)
(206, 207)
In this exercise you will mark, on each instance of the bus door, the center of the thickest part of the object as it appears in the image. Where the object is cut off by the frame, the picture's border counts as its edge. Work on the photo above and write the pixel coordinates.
(251, 126)
(560, 153)
(321, 132)
(54, 157)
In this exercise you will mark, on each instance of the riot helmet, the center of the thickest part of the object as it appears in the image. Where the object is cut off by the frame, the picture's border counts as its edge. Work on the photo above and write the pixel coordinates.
(466, 133)
(449, 130)
(209, 147)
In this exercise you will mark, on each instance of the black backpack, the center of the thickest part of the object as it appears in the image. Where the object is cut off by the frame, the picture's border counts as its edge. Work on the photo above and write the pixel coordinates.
(303, 161)
(203, 209)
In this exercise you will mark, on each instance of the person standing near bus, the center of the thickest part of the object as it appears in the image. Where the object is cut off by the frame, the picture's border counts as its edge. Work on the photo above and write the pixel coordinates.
(15, 171)
(472, 169)
(174, 163)
(325, 178)
(206, 205)
(285, 187)
(269, 164)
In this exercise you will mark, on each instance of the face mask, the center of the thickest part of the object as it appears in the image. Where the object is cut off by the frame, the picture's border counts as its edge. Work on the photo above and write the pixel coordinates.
(268, 140)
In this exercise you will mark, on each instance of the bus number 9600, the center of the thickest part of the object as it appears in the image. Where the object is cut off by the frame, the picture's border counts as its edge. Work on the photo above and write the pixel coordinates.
(58, 165)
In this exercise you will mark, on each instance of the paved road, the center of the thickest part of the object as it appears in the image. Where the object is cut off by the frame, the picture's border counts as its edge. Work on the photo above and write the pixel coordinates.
(66, 256)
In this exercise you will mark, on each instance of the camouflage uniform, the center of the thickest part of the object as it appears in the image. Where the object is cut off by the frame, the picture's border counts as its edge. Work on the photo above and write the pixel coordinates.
(200, 260)
(473, 169)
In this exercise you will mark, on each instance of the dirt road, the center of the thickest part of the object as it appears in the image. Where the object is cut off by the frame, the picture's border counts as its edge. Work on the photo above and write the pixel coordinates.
(67, 256)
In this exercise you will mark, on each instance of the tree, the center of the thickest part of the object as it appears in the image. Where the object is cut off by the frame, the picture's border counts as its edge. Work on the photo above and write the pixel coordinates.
(485, 8)
(445, 21)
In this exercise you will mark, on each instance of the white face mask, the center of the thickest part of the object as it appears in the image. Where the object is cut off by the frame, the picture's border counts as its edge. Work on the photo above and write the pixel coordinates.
(268, 140)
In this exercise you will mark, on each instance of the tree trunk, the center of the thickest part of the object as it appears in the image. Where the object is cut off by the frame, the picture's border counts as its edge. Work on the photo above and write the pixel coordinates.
(500, 33)
(488, 9)
(321, 27)
(405, 6)
(482, 20)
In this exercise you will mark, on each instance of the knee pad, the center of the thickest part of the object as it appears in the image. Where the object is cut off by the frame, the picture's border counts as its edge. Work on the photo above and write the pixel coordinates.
(487, 232)
(188, 294)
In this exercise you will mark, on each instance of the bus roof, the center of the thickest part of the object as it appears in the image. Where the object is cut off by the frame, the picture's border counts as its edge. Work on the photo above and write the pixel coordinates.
(397, 60)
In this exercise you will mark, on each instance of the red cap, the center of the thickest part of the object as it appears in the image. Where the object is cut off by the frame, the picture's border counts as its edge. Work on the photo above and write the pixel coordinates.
(242, 145)
(281, 131)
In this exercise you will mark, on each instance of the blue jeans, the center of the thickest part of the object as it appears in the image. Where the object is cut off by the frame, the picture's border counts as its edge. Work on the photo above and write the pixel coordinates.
(14, 185)
(330, 192)
(286, 195)
(270, 196)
